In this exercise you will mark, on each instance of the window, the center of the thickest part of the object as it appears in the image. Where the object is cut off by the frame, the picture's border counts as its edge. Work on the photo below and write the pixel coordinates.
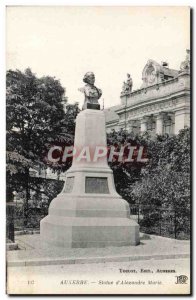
(151, 125)
(168, 125)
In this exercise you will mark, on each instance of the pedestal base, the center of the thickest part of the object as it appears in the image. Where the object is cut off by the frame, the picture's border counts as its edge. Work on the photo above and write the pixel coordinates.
(88, 233)
(89, 212)
(84, 221)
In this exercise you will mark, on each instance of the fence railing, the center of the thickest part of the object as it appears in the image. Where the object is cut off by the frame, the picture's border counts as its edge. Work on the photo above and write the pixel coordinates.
(173, 223)
(168, 222)
(19, 220)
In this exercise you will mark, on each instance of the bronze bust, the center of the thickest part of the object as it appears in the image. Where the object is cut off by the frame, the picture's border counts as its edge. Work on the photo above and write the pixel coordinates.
(91, 92)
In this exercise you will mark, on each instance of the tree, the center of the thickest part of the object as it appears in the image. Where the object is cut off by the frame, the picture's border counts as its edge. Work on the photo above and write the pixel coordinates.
(162, 185)
(165, 182)
(125, 174)
(36, 118)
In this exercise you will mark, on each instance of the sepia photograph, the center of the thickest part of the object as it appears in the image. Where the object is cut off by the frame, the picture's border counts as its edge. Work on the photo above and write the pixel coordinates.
(98, 150)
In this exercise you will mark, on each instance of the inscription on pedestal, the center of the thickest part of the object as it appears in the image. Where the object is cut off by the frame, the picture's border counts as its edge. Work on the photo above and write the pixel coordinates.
(96, 185)
(69, 185)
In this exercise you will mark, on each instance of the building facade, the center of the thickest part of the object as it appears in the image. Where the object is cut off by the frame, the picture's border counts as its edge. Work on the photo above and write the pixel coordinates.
(160, 106)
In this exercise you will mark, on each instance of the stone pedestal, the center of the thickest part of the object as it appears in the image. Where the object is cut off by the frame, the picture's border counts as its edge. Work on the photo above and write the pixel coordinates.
(89, 212)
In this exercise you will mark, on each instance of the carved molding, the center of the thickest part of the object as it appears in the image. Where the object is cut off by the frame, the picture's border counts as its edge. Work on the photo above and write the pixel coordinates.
(158, 107)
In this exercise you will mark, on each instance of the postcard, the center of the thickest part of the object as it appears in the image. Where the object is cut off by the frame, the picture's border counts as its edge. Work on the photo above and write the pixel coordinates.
(98, 149)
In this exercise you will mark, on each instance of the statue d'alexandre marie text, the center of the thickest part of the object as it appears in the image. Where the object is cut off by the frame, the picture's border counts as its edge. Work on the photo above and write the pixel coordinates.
(91, 92)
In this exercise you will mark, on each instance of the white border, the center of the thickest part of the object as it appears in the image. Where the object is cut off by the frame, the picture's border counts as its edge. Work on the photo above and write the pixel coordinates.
(3, 5)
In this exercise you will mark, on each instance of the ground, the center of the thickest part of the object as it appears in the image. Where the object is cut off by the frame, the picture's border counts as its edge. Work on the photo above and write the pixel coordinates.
(154, 266)
(32, 248)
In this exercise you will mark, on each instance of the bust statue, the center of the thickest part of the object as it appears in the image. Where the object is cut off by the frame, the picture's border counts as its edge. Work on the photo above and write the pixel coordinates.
(91, 92)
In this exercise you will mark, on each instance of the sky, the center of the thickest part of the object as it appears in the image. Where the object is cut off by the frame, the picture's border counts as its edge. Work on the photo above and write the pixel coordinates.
(67, 42)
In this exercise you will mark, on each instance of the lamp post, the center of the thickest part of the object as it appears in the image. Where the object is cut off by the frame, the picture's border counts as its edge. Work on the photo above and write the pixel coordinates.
(10, 211)
(126, 94)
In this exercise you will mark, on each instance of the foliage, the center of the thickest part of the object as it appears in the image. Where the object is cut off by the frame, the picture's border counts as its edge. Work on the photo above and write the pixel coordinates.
(165, 182)
(44, 191)
(161, 183)
(37, 116)
(125, 174)
(166, 179)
